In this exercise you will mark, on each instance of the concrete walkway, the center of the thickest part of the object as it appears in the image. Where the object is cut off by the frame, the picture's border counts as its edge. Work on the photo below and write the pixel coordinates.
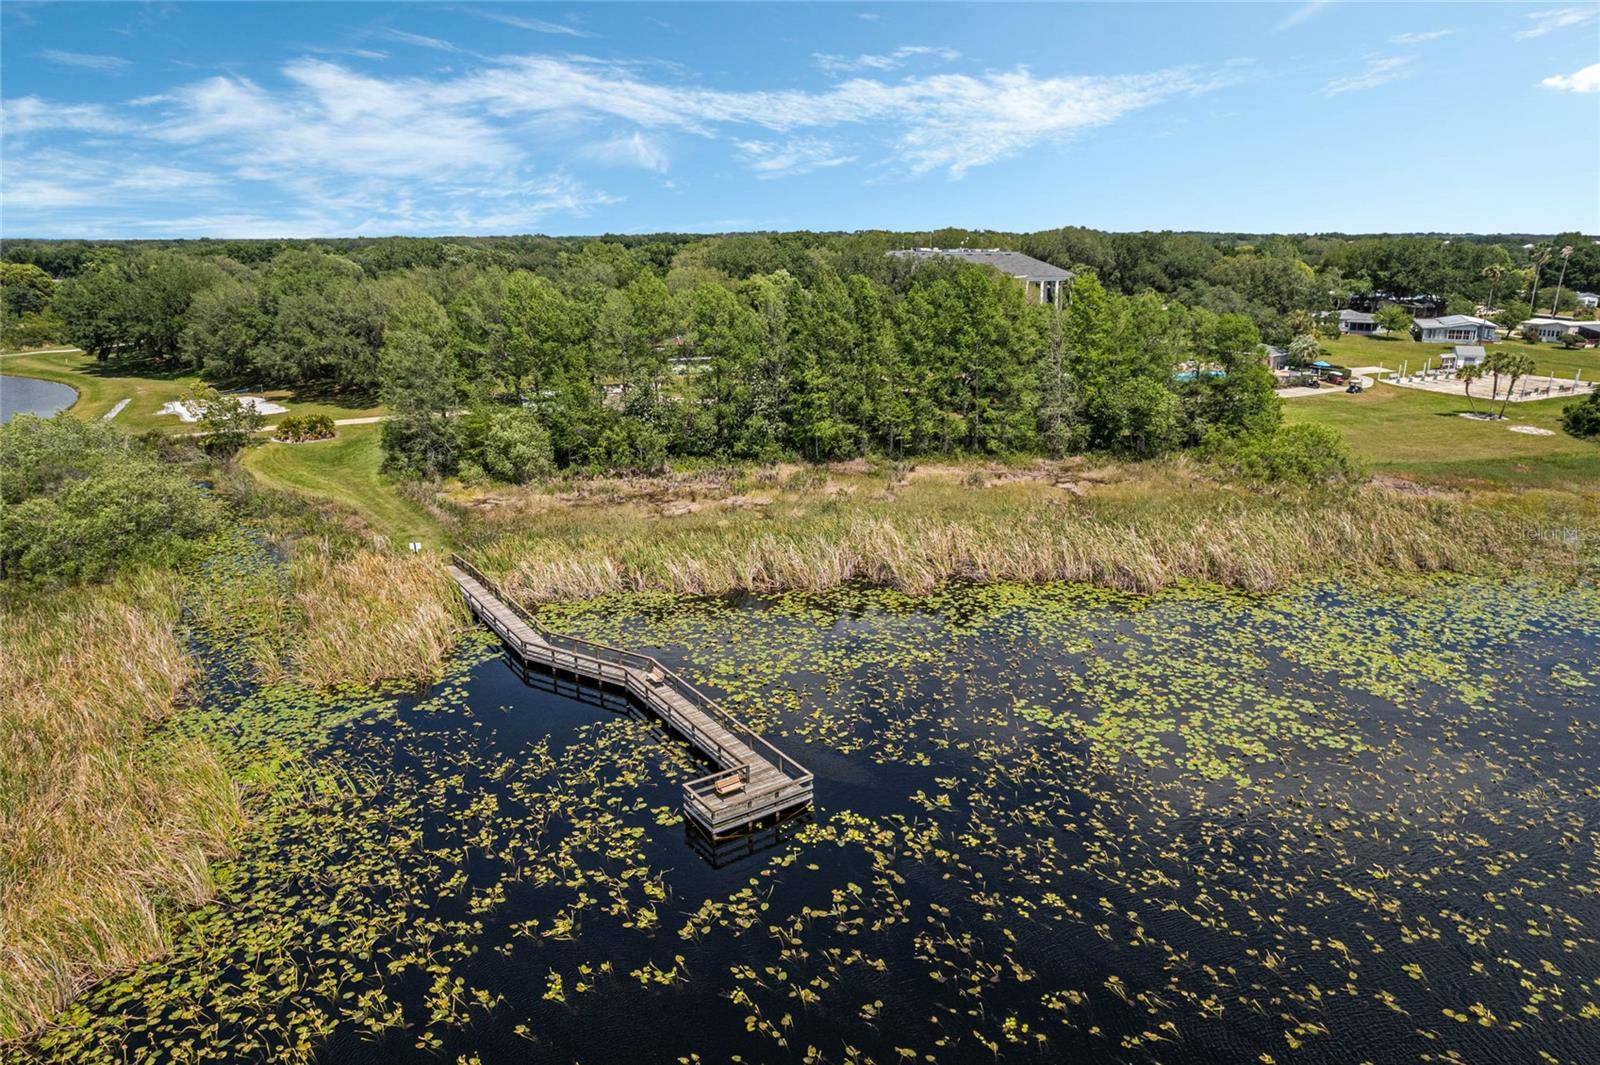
(1333, 390)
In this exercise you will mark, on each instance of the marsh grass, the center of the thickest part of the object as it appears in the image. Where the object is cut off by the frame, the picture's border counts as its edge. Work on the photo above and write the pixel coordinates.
(106, 819)
(1139, 529)
(372, 617)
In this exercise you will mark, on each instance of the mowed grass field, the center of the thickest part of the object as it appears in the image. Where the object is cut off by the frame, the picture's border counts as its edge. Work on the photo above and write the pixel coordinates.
(1390, 352)
(345, 470)
(101, 386)
(1423, 434)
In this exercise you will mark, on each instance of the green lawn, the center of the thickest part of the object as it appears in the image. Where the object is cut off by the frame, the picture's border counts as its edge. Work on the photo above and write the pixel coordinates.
(1390, 352)
(1422, 433)
(102, 385)
(345, 470)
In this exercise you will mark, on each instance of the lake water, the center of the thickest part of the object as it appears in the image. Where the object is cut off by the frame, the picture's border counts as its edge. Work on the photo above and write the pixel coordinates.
(30, 395)
(1053, 824)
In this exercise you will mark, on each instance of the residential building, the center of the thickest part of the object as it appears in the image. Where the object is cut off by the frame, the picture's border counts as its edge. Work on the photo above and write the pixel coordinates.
(1552, 329)
(1043, 282)
(1589, 299)
(1277, 358)
(1462, 355)
(1359, 322)
(1454, 327)
(1419, 306)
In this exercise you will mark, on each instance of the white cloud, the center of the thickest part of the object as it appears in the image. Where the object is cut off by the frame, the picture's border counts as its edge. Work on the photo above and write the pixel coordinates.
(535, 25)
(438, 44)
(838, 64)
(1299, 15)
(336, 149)
(1420, 38)
(1559, 18)
(799, 155)
(1379, 70)
(105, 63)
(630, 149)
(1585, 80)
(29, 114)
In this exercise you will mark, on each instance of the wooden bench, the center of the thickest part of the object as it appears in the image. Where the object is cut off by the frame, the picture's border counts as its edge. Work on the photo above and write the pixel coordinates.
(731, 785)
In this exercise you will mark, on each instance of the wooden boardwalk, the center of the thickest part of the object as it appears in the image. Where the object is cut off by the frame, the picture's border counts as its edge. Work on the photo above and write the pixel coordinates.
(754, 782)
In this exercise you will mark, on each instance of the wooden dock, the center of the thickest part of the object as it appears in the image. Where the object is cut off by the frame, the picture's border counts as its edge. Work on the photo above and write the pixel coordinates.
(754, 783)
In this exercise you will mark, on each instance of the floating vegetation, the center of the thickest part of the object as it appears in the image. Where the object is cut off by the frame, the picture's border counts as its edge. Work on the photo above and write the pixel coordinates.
(1056, 823)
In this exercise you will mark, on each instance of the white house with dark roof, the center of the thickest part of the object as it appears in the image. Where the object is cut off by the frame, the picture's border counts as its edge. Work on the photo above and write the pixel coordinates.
(1043, 282)
(1454, 327)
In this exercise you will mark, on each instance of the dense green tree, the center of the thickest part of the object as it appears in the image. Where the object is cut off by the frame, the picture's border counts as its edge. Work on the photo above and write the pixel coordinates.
(419, 386)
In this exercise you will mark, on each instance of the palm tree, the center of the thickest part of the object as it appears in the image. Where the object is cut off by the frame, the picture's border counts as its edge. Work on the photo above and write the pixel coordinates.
(1566, 253)
(1538, 257)
(1515, 366)
(1466, 375)
(1494, 273)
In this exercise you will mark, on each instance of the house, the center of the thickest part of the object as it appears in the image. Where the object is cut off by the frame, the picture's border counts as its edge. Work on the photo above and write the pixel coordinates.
(1589, 299)
(1419, 306)
(1359, 322)
(1277, 358)
(1454, 327)
(1042, 282)
(1551, 329)
(1462, 355)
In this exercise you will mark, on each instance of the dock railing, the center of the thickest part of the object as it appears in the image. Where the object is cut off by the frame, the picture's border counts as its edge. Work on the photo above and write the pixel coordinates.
(626, 665)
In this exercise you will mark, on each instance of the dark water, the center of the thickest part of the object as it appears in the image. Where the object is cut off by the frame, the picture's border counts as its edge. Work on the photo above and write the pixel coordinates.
(30, 395)
(1052, 825)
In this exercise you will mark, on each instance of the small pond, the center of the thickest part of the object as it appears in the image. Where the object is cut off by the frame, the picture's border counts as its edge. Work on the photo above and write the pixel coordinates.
(1053, 824)
(30, 395)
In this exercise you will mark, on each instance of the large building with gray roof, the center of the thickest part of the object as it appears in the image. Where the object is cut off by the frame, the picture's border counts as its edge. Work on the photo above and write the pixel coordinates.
(1043, 282)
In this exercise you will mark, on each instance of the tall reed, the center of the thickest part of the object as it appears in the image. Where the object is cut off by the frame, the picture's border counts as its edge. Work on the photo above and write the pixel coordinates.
(105, 819)
(373, 616)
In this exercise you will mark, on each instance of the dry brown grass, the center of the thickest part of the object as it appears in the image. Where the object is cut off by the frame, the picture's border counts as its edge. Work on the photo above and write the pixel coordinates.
(373, 616)
(1137, 528)
(105, 820)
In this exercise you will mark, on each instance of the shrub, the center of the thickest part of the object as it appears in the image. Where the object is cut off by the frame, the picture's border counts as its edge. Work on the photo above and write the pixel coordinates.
(297, 428)
(1582, 419)
(510, 445)
(80, 499)
(1292, 454)
(1572, 341)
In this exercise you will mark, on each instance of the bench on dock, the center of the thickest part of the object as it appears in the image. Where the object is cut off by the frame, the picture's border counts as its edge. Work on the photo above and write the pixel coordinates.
(754, 781)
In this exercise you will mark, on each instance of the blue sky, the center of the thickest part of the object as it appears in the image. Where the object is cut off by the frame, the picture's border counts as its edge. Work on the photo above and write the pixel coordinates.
(253, 120)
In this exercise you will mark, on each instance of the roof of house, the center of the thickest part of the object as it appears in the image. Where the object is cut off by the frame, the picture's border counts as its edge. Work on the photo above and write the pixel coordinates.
(1451, 321)
(1472, 350)
(1355, 316)
(1007, 262)
(1545, 320)
(1591, 295)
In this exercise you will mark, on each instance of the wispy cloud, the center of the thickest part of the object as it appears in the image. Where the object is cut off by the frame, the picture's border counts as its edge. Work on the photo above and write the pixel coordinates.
(1379, 70)
(438, 44)
(534, 25)
(838, 64)
(106, 63)
(1584, 81)
(1299, 15)
(1558, 18)
(799, 155)
(630, 149)
(30, 114)
(1420, 38)
(489, 148)
(358, 53)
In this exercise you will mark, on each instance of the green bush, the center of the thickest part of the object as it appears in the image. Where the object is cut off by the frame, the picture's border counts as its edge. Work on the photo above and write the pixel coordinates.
(1291, 454)
(509, 444)
(80, 499)
(1582, 419)
(297, 428)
